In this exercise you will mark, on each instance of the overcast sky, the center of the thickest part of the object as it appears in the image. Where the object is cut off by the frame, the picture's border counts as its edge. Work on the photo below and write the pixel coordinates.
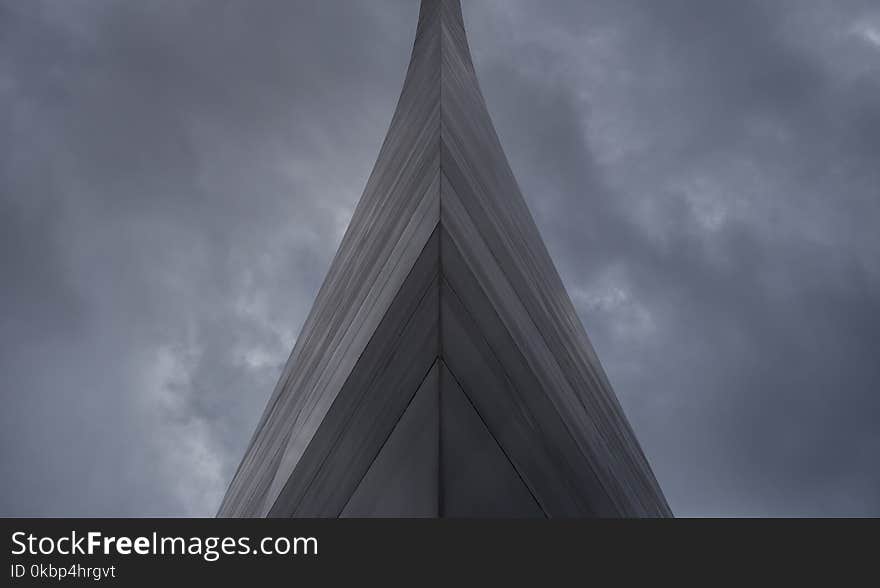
(175, 177)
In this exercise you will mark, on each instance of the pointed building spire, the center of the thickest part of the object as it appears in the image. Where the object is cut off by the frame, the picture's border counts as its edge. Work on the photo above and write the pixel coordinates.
(443, 370)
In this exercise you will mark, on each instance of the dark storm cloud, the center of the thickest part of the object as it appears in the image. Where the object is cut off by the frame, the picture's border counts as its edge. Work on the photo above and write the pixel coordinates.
(176, 176)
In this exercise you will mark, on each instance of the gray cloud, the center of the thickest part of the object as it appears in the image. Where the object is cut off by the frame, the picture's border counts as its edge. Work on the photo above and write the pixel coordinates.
(175, 178)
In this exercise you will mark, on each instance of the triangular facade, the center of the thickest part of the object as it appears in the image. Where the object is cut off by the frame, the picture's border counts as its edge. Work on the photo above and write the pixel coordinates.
(443, 370)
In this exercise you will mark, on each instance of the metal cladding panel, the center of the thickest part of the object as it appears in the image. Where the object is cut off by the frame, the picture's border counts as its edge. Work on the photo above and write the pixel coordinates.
(478, 479)
(443, 260)
(478, 184)
(479, 188)
(375, 395)
(403, 480)
(511, 399)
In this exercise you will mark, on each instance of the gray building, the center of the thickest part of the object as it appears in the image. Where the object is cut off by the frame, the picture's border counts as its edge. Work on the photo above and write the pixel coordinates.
(443, 370)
